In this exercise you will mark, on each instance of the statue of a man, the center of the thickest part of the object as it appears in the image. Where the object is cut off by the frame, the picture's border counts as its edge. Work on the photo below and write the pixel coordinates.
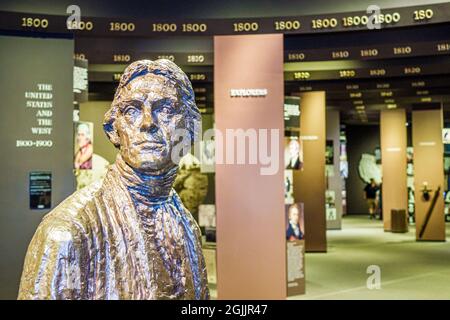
(128, 236)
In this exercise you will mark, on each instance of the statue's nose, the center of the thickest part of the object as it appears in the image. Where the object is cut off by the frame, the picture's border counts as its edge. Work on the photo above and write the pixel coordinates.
(148, 122)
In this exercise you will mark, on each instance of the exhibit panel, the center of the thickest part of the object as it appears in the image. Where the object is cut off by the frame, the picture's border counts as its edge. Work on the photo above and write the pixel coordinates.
(36, 136)
(393, 161)
(295, 249)
(428, 173)
(296, 280)
(309, 183)
(251, 245)
(333, 193)
(362, 141)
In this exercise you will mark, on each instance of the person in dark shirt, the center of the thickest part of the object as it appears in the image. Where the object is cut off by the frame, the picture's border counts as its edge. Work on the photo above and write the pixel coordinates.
(370, 194)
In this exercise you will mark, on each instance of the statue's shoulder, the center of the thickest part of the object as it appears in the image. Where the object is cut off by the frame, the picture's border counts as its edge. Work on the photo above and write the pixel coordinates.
(72, 214)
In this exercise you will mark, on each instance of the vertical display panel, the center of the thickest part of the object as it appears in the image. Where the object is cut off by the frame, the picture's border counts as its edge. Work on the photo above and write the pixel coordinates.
(428, 174)
(36, 86)
(309, 183)
(333, 193)
(249, 95)
(394, 161)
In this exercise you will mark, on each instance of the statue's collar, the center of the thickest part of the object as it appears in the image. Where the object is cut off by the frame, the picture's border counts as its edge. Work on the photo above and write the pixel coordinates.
(146, 188)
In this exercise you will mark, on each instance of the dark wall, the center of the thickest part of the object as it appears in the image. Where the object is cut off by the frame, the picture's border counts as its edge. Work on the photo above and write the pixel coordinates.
(26, 62)
(360, 139)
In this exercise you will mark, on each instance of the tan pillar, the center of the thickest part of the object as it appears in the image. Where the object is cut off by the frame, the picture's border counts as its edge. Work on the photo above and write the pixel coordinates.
(309, 183)
(393, 162)
(251, 245)
(429, 172)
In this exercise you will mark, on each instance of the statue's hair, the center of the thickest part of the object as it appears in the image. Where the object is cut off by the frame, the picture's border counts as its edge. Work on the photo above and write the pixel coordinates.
(175, 75)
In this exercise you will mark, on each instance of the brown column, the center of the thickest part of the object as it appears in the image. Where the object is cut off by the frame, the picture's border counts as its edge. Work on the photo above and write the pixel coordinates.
(309, 183)
(429, 172)
(393, 161)
(251, 246)
(334, 180)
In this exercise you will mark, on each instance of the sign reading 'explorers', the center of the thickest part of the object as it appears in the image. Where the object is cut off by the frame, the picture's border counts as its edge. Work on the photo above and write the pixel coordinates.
(248, 93)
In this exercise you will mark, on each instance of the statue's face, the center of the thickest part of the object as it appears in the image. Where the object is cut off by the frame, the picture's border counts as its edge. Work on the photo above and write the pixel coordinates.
(150, 113)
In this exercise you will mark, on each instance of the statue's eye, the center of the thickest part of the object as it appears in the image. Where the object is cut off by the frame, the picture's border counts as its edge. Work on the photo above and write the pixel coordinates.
(167, 109)
(164, 106)
(130, 111)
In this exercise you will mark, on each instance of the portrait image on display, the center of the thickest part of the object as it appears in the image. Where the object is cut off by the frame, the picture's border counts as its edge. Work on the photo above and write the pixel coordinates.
(288, 187)
(295, 228)
(293, 153)
(84, 148)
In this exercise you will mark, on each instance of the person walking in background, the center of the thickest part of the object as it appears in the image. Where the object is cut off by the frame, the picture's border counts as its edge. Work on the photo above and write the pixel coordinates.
(380, 201)
(370, 194)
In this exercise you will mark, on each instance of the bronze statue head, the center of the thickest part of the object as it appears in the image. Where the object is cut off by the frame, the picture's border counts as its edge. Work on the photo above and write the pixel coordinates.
(154, 99)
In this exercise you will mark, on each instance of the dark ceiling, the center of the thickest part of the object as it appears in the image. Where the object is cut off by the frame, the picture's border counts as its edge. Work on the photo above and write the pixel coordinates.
(202, 8)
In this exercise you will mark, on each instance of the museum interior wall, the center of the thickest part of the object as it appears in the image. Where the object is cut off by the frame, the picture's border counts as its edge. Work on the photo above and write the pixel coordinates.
(37, 143)
(361, 140)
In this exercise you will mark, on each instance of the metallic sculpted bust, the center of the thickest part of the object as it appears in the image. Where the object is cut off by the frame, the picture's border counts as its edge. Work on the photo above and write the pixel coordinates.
(128, 236)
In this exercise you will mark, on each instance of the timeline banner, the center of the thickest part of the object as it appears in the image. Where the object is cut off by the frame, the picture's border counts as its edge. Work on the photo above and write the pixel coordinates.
(376, 18)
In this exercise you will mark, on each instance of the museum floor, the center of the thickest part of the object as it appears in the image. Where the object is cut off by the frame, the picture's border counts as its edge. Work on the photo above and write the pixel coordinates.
(409, 269)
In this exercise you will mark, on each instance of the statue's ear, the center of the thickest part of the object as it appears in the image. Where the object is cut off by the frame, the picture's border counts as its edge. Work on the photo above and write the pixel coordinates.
(112, 134)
